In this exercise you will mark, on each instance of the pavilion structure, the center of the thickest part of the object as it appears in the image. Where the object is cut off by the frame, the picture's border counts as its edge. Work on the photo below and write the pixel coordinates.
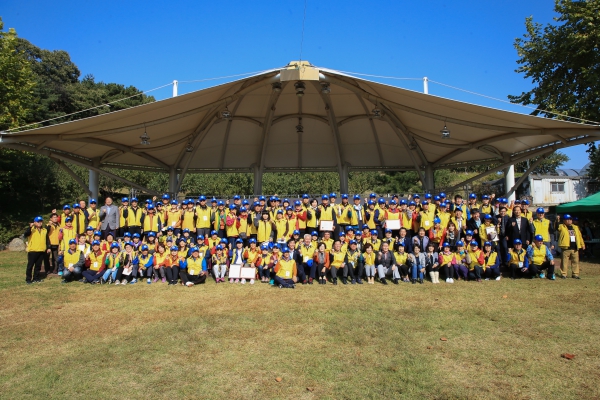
(300, 118)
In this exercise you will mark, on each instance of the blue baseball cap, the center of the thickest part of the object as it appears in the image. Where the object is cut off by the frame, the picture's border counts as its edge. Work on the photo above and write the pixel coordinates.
(236, 197)
(305, 196)
(96, 243)
(538, 238)
(517, 241)
(114, 245)
(38, 219)
(93, 201)
(166, 196)
(200, 237)
(174, 248)
(144, 247)
(151, 234)
(487, 244)
(124, 200)
(324, 197)
(72, 241)
(332, 195)
(472, 196)
(127, 234)
(66, 207)
(213, 232)
(460, 243)
(344, 196)
(357, 197)
(314, 233)
(296, 232)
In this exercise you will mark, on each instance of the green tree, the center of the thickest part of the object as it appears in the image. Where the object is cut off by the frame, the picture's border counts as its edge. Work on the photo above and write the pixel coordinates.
(16, 82)
(548, 166)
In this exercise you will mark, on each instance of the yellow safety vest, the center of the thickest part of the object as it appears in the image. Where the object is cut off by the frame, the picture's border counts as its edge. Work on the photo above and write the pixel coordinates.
(326, 213)
(542, 227)
(67, 234)
(71, 258)
(194, 266)
(96, 260)
(337, 258)
(53, 234)
(286, 269)
(151, 223)
(539, 254)
(134, 217)
(188, 220)
(203, 217)
(37, 240)
(265, 228)
(401, 258)
(93, 221)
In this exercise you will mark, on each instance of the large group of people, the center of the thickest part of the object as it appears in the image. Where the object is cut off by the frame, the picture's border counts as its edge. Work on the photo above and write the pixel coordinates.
(286, 242)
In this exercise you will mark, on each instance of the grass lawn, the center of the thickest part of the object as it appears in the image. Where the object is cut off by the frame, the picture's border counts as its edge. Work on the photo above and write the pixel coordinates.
(504, 339)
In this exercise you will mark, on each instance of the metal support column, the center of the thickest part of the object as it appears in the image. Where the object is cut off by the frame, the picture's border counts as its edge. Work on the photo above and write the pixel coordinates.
(175, 87)
(257, 180)
(93, 184)
(429, 184)
(344, 178)
(509, 181)
(425, 85)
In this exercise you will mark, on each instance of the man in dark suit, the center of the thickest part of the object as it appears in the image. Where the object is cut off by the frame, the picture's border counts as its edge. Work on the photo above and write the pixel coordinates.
(503, 222)
(109, 217)
(475, 222)
(520, 228)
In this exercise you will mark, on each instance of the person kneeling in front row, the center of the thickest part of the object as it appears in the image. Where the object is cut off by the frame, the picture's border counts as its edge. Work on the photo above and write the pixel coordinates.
(540, 258)
(192, 270)
(72, 262)
(518, 262)
(285, 271)
(386, 264)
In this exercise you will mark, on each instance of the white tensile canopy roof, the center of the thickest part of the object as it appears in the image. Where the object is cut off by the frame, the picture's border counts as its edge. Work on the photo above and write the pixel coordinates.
(301, 118)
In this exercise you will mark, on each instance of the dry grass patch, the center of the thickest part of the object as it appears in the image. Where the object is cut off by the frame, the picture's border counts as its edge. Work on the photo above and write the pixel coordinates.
(504, 340)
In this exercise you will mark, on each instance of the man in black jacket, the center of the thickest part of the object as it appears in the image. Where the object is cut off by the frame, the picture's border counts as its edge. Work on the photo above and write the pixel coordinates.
(520, 228)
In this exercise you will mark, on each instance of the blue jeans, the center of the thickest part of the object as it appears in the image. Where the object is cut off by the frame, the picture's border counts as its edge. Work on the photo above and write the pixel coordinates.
(72, 275)
(108, 272)
(415, 271)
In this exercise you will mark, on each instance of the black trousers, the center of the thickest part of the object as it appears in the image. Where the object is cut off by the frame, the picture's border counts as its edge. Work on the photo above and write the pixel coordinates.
(34, 265)
(403, 270)
(172, 274)
(475, 273)
(536, 269)
(195, 279)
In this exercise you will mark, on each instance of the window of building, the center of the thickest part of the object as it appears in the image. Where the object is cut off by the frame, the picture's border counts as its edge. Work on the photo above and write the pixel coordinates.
(558, 187)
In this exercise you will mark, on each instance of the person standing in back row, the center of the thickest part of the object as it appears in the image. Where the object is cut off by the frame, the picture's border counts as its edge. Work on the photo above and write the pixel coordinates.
(37, 247)
(570, 241)
(109, 217)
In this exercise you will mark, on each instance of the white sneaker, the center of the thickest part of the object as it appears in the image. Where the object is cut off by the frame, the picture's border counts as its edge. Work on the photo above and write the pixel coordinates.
(487, 279)
(243, 281)
(451, 280)
(188, 284)
(448, 280)
(498, 278)
(124, 282)
(117, 283)
(252, 281)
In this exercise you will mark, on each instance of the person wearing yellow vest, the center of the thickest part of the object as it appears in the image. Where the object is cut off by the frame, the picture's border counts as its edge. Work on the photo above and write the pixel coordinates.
(425, 217)
(53, 229)
(447, 260)
(543, 227)
(263, 264)
(66, 213)
(518, 262)
(93, 215)
(72, 262)
(402, 260)
(369, 262)
(65, 235)
(343, 214)
(540, 258)
(569, 241)
(491, 266)
(202, 213)
(326, 212)
(38, 245)
(219, 263)
(282, 228)
(218, 218)
(151, 222)
(475, 261)
(486, 207)
(307, 251)
(300, 217)
(96, 260)
(133, 217)
(193, 270)
(285, 271)
(79, 219)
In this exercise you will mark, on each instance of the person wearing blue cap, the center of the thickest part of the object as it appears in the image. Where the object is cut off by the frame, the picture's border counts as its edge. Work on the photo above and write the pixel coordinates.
(38, 245)
(298, 218)
(92, 214)
(133, 217)
(285, 270)
(344, 214)
(51, 257)
(354, 261)
(525, 211)
(193, 270)
(173, 217)
(79, 219)
(219, 219)
(188, 216)
(66, 213)
(570, 242)
(151, 222)
(202, 215)
(475, 261)
(220, 261)
(372, 216)
(472, 202)
(542, 226)
(146, 263)
(111, 262)
(459, 204)
(65, 235)
(486, 206)
(518, 261)
(540, 258)
(460, 267)
(491, 266)
(95, 261)
(426, 216)
(72, 262)
(326, 214)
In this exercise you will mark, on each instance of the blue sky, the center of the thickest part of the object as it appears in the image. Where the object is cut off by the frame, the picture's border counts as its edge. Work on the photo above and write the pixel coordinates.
(466, 44)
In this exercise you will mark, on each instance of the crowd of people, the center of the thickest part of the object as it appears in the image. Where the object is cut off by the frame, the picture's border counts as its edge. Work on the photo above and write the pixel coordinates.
(287, 242)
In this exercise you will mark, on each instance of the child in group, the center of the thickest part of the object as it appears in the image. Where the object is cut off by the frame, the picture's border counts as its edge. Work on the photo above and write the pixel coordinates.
(432, 263)
(219, 263)
(447, 259)
(369, 257)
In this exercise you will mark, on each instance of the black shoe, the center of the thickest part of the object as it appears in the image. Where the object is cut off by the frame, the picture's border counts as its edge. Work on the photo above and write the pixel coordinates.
(383, 281)
(324, 281)
(344, 281)
(359, 281)
(421, 281)
(561, 277)
(353, 281)
(395, 281)
(413, 281)
(280, 286)
(293, 286)
(28, 282)
(575, 277)
(335, 281)
(38, 281)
